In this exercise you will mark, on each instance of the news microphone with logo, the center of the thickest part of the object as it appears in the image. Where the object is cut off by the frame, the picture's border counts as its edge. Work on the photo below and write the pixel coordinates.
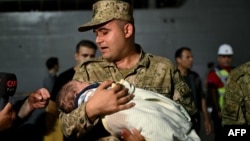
(8, 85)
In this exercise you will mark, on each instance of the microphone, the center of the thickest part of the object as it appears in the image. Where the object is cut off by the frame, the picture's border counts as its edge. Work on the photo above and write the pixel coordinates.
(8, 85)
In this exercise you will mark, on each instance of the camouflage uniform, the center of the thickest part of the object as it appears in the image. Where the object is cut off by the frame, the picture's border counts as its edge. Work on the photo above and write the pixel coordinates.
(152, 73)
(236, 108)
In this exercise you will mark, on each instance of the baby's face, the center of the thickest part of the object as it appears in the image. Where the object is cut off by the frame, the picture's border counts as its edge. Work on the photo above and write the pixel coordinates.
(79, 86)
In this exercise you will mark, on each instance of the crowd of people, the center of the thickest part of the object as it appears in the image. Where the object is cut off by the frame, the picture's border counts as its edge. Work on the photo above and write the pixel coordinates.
(174, 89)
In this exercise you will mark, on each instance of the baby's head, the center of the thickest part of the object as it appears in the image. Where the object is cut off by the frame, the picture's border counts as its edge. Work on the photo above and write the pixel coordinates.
(67, 94)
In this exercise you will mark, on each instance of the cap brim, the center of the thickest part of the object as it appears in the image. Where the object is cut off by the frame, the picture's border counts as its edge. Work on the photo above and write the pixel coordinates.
(91, 25)
(229, 54)
(87, 26)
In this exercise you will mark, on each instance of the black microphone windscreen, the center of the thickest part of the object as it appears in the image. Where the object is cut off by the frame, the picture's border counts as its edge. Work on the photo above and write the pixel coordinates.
(8, 84)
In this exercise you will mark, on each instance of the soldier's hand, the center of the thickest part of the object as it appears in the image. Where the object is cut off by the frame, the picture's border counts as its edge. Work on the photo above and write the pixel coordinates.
(108, 100)
(134, 135)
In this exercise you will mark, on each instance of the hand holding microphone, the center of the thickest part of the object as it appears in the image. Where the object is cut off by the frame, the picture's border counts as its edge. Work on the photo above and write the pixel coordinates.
(8, 84)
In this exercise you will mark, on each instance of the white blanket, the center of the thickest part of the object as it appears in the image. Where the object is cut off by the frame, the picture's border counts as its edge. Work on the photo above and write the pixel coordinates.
(157, 118)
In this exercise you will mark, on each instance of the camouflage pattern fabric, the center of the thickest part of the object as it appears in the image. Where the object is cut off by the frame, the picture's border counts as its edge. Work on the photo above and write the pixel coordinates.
(236, 108)
(107, 10)
(152, 73)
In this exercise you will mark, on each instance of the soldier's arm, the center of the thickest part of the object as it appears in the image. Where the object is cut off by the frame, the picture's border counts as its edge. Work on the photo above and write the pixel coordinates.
(75, 124)
(233, 105)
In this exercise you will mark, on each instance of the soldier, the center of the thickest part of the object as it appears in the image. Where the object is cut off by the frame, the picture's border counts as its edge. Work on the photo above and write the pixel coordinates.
(113, 24)
(236, 110)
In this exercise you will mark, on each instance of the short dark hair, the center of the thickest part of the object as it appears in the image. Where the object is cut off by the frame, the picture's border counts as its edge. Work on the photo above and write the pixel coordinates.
(86, 43)
(51, 62)
(179, 51)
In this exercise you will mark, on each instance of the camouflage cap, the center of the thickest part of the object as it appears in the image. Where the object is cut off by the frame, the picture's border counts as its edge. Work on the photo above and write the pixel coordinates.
(107, 10)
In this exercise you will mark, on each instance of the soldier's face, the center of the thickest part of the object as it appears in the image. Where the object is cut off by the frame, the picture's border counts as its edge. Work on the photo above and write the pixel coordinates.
(111, 40)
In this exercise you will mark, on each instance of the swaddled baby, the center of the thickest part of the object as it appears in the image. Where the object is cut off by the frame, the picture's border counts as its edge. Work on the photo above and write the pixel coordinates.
(157, 118)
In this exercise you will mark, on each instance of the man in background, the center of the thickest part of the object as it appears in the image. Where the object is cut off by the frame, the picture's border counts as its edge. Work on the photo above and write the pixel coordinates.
(52, 65)
(216, 81)
(184, 60)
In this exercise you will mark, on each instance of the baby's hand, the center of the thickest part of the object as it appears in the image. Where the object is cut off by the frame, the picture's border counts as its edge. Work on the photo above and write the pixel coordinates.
(126, 84)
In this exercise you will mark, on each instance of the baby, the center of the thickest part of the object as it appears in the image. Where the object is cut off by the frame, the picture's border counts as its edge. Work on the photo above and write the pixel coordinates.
(155, 116)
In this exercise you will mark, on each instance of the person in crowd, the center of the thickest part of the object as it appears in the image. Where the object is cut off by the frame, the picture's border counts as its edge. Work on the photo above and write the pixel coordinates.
(216, 81)
(210, 66)
(161, 111)
(18, 113)
(184, 60)
(85, 49)
(52, 64)
(236, 110)
(113, 24)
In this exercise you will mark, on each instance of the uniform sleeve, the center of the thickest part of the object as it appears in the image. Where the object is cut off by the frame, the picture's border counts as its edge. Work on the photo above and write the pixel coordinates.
(232, 112)
(75, 124)
(182, 94)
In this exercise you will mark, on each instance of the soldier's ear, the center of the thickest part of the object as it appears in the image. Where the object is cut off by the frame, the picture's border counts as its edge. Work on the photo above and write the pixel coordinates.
(128, 30)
